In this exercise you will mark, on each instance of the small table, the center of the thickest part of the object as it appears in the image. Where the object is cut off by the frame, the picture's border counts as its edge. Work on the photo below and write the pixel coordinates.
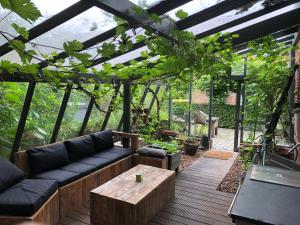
(263, 202)
(123, 201)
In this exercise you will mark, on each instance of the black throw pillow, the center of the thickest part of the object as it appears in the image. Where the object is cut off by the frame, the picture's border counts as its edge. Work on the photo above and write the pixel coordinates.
(9, 174)
(80, 147)
(47, 157)
(103, 140)
(152, 152)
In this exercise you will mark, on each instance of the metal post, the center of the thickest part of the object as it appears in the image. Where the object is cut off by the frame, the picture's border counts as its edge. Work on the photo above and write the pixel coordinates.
(170, 110)
(153, 99)
(23, 118)
(88, 113)
(61, 113)
(243, 102)
(126, 111)
(211, 95)
(110, 107)
(242, 112)
(237, 117)
(190, 105)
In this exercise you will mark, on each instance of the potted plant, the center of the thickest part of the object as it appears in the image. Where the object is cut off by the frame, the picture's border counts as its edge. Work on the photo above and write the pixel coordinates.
(191, 145)
(173, 152)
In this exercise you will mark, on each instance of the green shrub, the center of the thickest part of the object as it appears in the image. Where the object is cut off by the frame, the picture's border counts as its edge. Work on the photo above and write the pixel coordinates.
(225, 113)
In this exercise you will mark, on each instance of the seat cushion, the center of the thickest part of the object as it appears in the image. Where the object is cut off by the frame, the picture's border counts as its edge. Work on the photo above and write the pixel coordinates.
(80, 147)
(47, 157)
(103, 140)
(62, 177)
(82, 169)
(97, 162)
(26, 197)
(9, 174)
(114, 154)
(152, 152)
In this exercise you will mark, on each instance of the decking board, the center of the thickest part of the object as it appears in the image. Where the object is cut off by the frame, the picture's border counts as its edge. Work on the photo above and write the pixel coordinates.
(197, 201)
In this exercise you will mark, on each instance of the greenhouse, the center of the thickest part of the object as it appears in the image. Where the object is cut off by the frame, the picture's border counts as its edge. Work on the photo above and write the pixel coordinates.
(149, 112)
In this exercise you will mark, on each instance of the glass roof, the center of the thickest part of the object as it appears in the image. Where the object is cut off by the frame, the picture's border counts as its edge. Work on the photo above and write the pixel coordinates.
(146, 4)
(48, 9)
(82, 27)
(193, 7)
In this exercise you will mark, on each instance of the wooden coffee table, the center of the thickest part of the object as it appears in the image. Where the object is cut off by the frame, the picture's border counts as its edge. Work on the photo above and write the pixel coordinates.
(122, 201)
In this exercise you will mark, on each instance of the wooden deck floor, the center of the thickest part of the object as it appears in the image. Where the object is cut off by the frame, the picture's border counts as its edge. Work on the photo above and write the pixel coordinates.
(196, 202)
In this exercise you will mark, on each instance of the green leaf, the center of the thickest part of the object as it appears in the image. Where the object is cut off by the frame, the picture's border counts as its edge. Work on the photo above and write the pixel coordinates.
(21, 30)
(73, 46)
(235, 36)
(108, 50)
(140, 38)
(155, 18)
(24, 8)
(180, 14)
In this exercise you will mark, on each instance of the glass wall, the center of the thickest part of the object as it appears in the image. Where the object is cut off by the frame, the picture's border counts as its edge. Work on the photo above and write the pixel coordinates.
(11, 102)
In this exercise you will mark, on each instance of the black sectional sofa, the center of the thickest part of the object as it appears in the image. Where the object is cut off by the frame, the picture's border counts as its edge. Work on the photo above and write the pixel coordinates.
(60, 176)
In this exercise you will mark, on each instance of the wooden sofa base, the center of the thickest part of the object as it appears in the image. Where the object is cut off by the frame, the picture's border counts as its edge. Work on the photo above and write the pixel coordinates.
(150, 161)
(48, 214)
(76, 194)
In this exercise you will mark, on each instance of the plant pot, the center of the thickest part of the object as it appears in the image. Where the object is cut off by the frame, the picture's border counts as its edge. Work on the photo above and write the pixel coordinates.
(174, 161)
(190, 148)
(205, 142)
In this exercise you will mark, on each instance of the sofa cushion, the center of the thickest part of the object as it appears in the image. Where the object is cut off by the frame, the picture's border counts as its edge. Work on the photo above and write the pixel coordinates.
(152, 152)
(62, 177)
(97, 162)
(82, 169)
(9, 174)
(26, 197)
(47, 157)
(123, 151)
(80, 147)
(103, 140)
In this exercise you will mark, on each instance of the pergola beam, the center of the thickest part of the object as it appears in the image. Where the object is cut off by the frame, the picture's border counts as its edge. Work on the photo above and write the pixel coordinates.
(128, 11)
(50, 23)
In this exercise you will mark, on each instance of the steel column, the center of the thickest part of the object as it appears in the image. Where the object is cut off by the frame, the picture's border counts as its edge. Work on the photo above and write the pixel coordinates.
(61, 113)
(110, 109)
(126, 111)
(170, 109)
(237, 116)
(211, 95)
(23, 118)
(190, 105)
(88, 113)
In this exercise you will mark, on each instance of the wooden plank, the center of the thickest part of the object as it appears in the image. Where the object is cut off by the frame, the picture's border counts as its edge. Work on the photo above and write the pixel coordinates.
(122, 201)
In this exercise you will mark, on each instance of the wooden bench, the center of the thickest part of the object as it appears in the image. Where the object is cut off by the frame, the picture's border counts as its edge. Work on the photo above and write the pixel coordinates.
(72, 196)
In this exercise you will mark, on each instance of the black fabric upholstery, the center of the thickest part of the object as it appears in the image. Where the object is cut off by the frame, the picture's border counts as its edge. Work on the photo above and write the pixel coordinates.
(80, 147)
(62, 177)
(82, 169)
(26, 197)
(97, 162)
(9, 174)
(47, 157)
(152, 152)
(103, 140)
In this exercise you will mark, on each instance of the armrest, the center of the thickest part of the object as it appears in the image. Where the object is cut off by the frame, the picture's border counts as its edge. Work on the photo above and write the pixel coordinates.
(133, 138)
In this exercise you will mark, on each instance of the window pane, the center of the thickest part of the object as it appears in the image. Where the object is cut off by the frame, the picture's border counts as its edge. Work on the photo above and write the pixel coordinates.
(48, 8)
(74, 114)
(42, 115)
(11, 102)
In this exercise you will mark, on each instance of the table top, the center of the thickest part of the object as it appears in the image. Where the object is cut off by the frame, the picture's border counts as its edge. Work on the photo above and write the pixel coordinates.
(263, 202)
(125, 188)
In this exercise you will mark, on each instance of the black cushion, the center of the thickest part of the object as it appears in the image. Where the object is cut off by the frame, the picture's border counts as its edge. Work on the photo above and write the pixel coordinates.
(9, 174)
(26, 197)
(80, 147)
(47, 157)
(103, 140)
(152, 152)
(62, 177)
(82, 169)
(97, 162)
